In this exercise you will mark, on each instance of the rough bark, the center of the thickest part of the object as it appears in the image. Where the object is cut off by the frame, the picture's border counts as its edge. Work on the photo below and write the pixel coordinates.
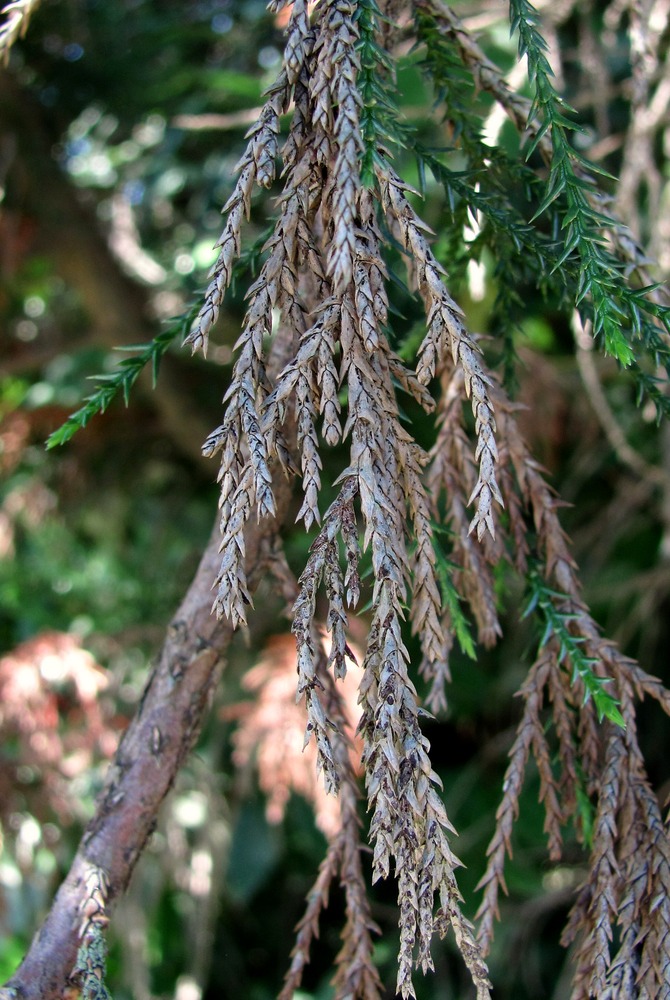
(151, 753)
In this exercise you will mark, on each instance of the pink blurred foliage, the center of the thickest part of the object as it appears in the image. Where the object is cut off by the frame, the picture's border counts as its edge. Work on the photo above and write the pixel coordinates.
(270, 735)
(54, 725)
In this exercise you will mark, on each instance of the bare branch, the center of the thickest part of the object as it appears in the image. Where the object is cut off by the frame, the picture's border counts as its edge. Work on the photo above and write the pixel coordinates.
(153, 749)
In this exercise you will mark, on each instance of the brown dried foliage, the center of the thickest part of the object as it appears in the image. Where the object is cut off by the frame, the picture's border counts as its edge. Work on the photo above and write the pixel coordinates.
(323, 285)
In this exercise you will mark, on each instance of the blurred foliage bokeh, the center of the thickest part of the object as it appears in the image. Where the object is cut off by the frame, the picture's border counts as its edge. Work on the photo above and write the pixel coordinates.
(120, 127)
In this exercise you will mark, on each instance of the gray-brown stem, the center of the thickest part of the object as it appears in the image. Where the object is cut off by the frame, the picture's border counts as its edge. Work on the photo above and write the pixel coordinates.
(154, 747)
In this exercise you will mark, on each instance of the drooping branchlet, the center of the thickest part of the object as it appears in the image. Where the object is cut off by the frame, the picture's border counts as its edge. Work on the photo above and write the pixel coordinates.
(324, 283)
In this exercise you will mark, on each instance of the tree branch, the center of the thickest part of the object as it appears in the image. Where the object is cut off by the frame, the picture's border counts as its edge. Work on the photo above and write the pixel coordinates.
(153, 749)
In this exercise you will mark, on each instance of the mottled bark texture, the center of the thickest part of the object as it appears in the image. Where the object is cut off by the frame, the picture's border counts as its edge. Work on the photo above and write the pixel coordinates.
(149, 757)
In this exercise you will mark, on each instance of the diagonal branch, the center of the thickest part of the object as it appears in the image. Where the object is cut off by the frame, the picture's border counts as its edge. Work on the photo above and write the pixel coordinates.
(153, 749)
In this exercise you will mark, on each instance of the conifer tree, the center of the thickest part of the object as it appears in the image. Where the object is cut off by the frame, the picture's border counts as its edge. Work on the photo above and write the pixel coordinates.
(322, 367)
